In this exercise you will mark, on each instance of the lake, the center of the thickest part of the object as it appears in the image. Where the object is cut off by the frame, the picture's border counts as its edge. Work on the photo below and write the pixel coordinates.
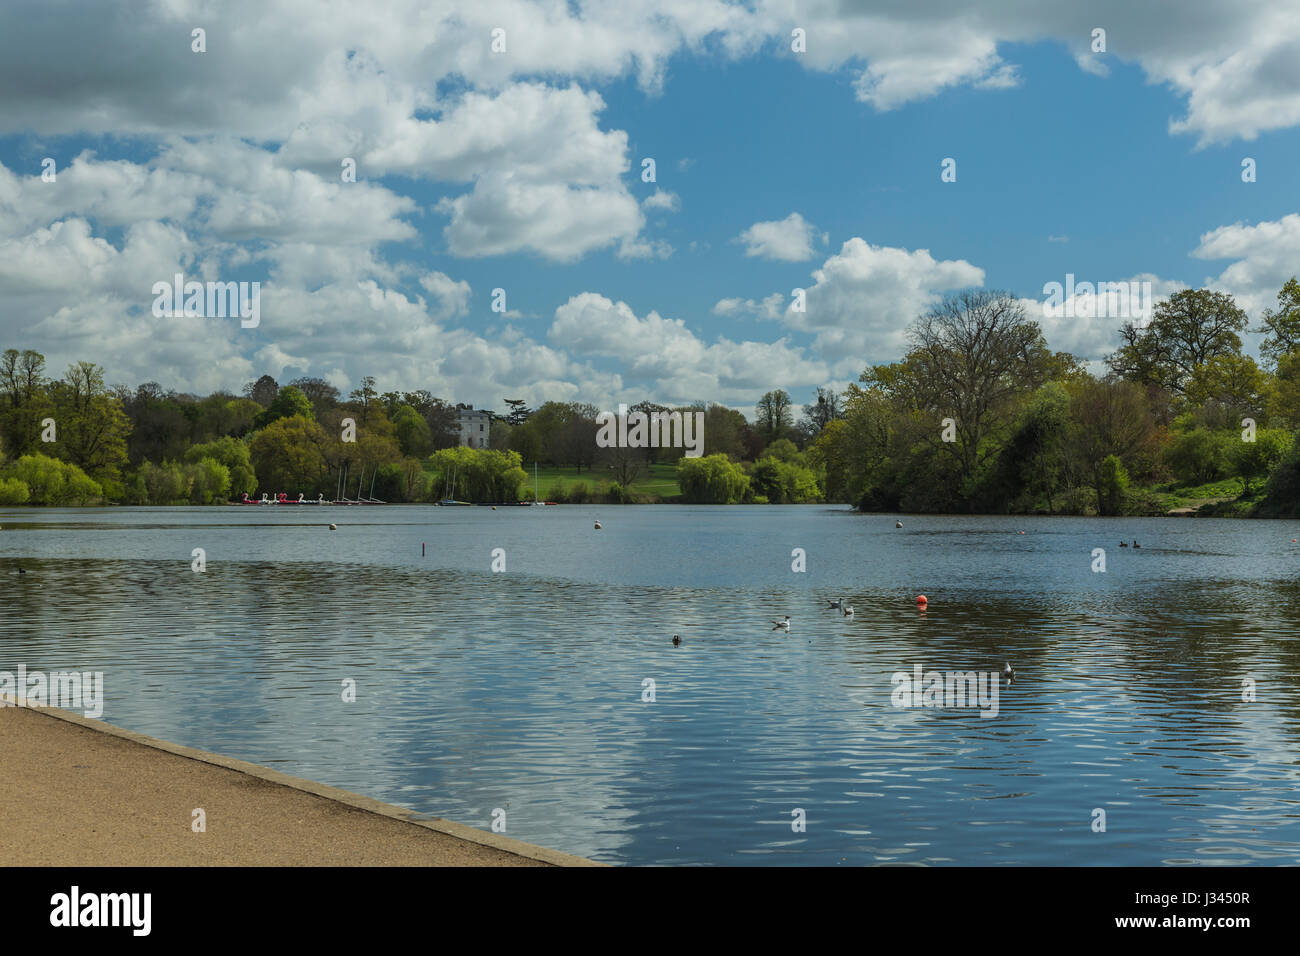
(522, 690)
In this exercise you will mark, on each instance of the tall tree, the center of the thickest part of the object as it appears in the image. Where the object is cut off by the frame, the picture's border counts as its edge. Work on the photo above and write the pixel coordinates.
(1188, 329)
(773, 414)
(1282, 325)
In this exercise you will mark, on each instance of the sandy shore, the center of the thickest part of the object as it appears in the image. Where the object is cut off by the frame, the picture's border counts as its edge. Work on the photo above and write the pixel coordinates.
(79, 792)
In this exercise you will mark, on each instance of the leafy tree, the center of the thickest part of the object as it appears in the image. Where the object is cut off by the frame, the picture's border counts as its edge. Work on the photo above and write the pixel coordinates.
(1112, 486)
(1282, 325)
(1254, 460)
(287, 403)
(711, 480)
(773, 414)
(287, 455)
(1200, 455)
(92, 427)
(263, 391)
(53, 482)
(412, 431)
(232, 454)
(1187, 330)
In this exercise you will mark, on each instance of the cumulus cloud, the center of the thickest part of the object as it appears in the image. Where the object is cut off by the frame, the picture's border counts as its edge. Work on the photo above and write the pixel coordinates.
(864, 297)
(787, 240)
(663, 355)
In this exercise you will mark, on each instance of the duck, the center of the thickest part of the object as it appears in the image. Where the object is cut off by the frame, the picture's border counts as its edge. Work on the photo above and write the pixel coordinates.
(676, 640)
(597, 525)
(1136, 545)
(334, 527)
(782, 625)
(848, 611)
(22, 570)
(1008, 673)
(898, 524)
(837, 605)
(1123, 545)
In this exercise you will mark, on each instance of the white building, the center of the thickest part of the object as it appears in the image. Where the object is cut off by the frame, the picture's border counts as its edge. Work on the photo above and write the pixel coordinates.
(475, 425)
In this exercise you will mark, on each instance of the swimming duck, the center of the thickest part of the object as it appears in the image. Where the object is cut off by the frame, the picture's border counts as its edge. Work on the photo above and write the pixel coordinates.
(837, 604)
(1008, 673)
(782, 625)
(1136, 545)
(676, 640)
(898, 524)
(1123, 545)
(848, 611)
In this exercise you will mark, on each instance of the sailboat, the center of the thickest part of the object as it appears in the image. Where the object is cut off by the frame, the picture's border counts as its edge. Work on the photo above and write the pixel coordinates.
(451, 498)
(537, 498)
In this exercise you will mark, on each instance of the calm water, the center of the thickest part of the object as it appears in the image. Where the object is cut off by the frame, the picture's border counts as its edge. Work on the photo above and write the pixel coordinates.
(522, 690)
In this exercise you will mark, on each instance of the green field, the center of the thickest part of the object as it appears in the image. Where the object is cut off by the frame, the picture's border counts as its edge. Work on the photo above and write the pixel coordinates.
(659, 480)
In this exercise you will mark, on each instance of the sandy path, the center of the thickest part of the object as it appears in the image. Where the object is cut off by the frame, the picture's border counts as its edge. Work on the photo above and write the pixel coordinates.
(77, 792)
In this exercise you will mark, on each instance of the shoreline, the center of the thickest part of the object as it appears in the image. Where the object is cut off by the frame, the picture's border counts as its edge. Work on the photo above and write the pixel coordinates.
(86, 793)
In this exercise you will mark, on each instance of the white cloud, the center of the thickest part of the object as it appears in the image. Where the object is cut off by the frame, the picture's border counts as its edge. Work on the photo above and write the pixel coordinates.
(787, 240)
(864, 297)
(669, 202)
(669, 360)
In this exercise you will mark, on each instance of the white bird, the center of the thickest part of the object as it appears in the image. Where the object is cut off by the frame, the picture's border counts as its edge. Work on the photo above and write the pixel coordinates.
(848, 611)
(782, 625)
(1008, 673)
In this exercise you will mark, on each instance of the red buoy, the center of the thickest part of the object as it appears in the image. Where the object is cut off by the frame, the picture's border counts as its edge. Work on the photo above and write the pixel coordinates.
(922, 600)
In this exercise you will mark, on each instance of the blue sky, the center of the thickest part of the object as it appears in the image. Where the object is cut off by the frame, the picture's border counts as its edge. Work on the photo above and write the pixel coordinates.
(522, 171)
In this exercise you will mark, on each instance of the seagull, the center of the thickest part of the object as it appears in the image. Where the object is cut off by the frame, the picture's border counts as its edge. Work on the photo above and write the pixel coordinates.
(1008, 673)
(676, 640)
(837, 604)
(848, 611)
(782, 625)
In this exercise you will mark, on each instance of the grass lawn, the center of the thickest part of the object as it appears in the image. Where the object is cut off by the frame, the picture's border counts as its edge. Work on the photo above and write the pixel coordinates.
(660, 480)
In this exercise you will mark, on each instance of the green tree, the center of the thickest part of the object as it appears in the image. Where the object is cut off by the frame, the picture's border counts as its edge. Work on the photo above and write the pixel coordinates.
(233, 454)
(1282, 325)
(1253, 460)
(287, 455)
(287, 403)
(711, 480)
(1187, 330)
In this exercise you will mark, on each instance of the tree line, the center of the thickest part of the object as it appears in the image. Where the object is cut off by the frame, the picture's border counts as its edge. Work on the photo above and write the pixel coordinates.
(979, 415)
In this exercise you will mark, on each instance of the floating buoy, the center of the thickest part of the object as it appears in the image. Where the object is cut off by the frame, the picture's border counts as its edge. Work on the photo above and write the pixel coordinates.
(922, 600)
(1022, 532)
(898, 524)
(334, 527)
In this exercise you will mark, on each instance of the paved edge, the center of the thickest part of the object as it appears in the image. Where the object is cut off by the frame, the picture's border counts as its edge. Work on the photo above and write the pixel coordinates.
(347, 797)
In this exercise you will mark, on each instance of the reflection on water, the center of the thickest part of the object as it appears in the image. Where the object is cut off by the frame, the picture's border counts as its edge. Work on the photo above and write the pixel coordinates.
(523, 690)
